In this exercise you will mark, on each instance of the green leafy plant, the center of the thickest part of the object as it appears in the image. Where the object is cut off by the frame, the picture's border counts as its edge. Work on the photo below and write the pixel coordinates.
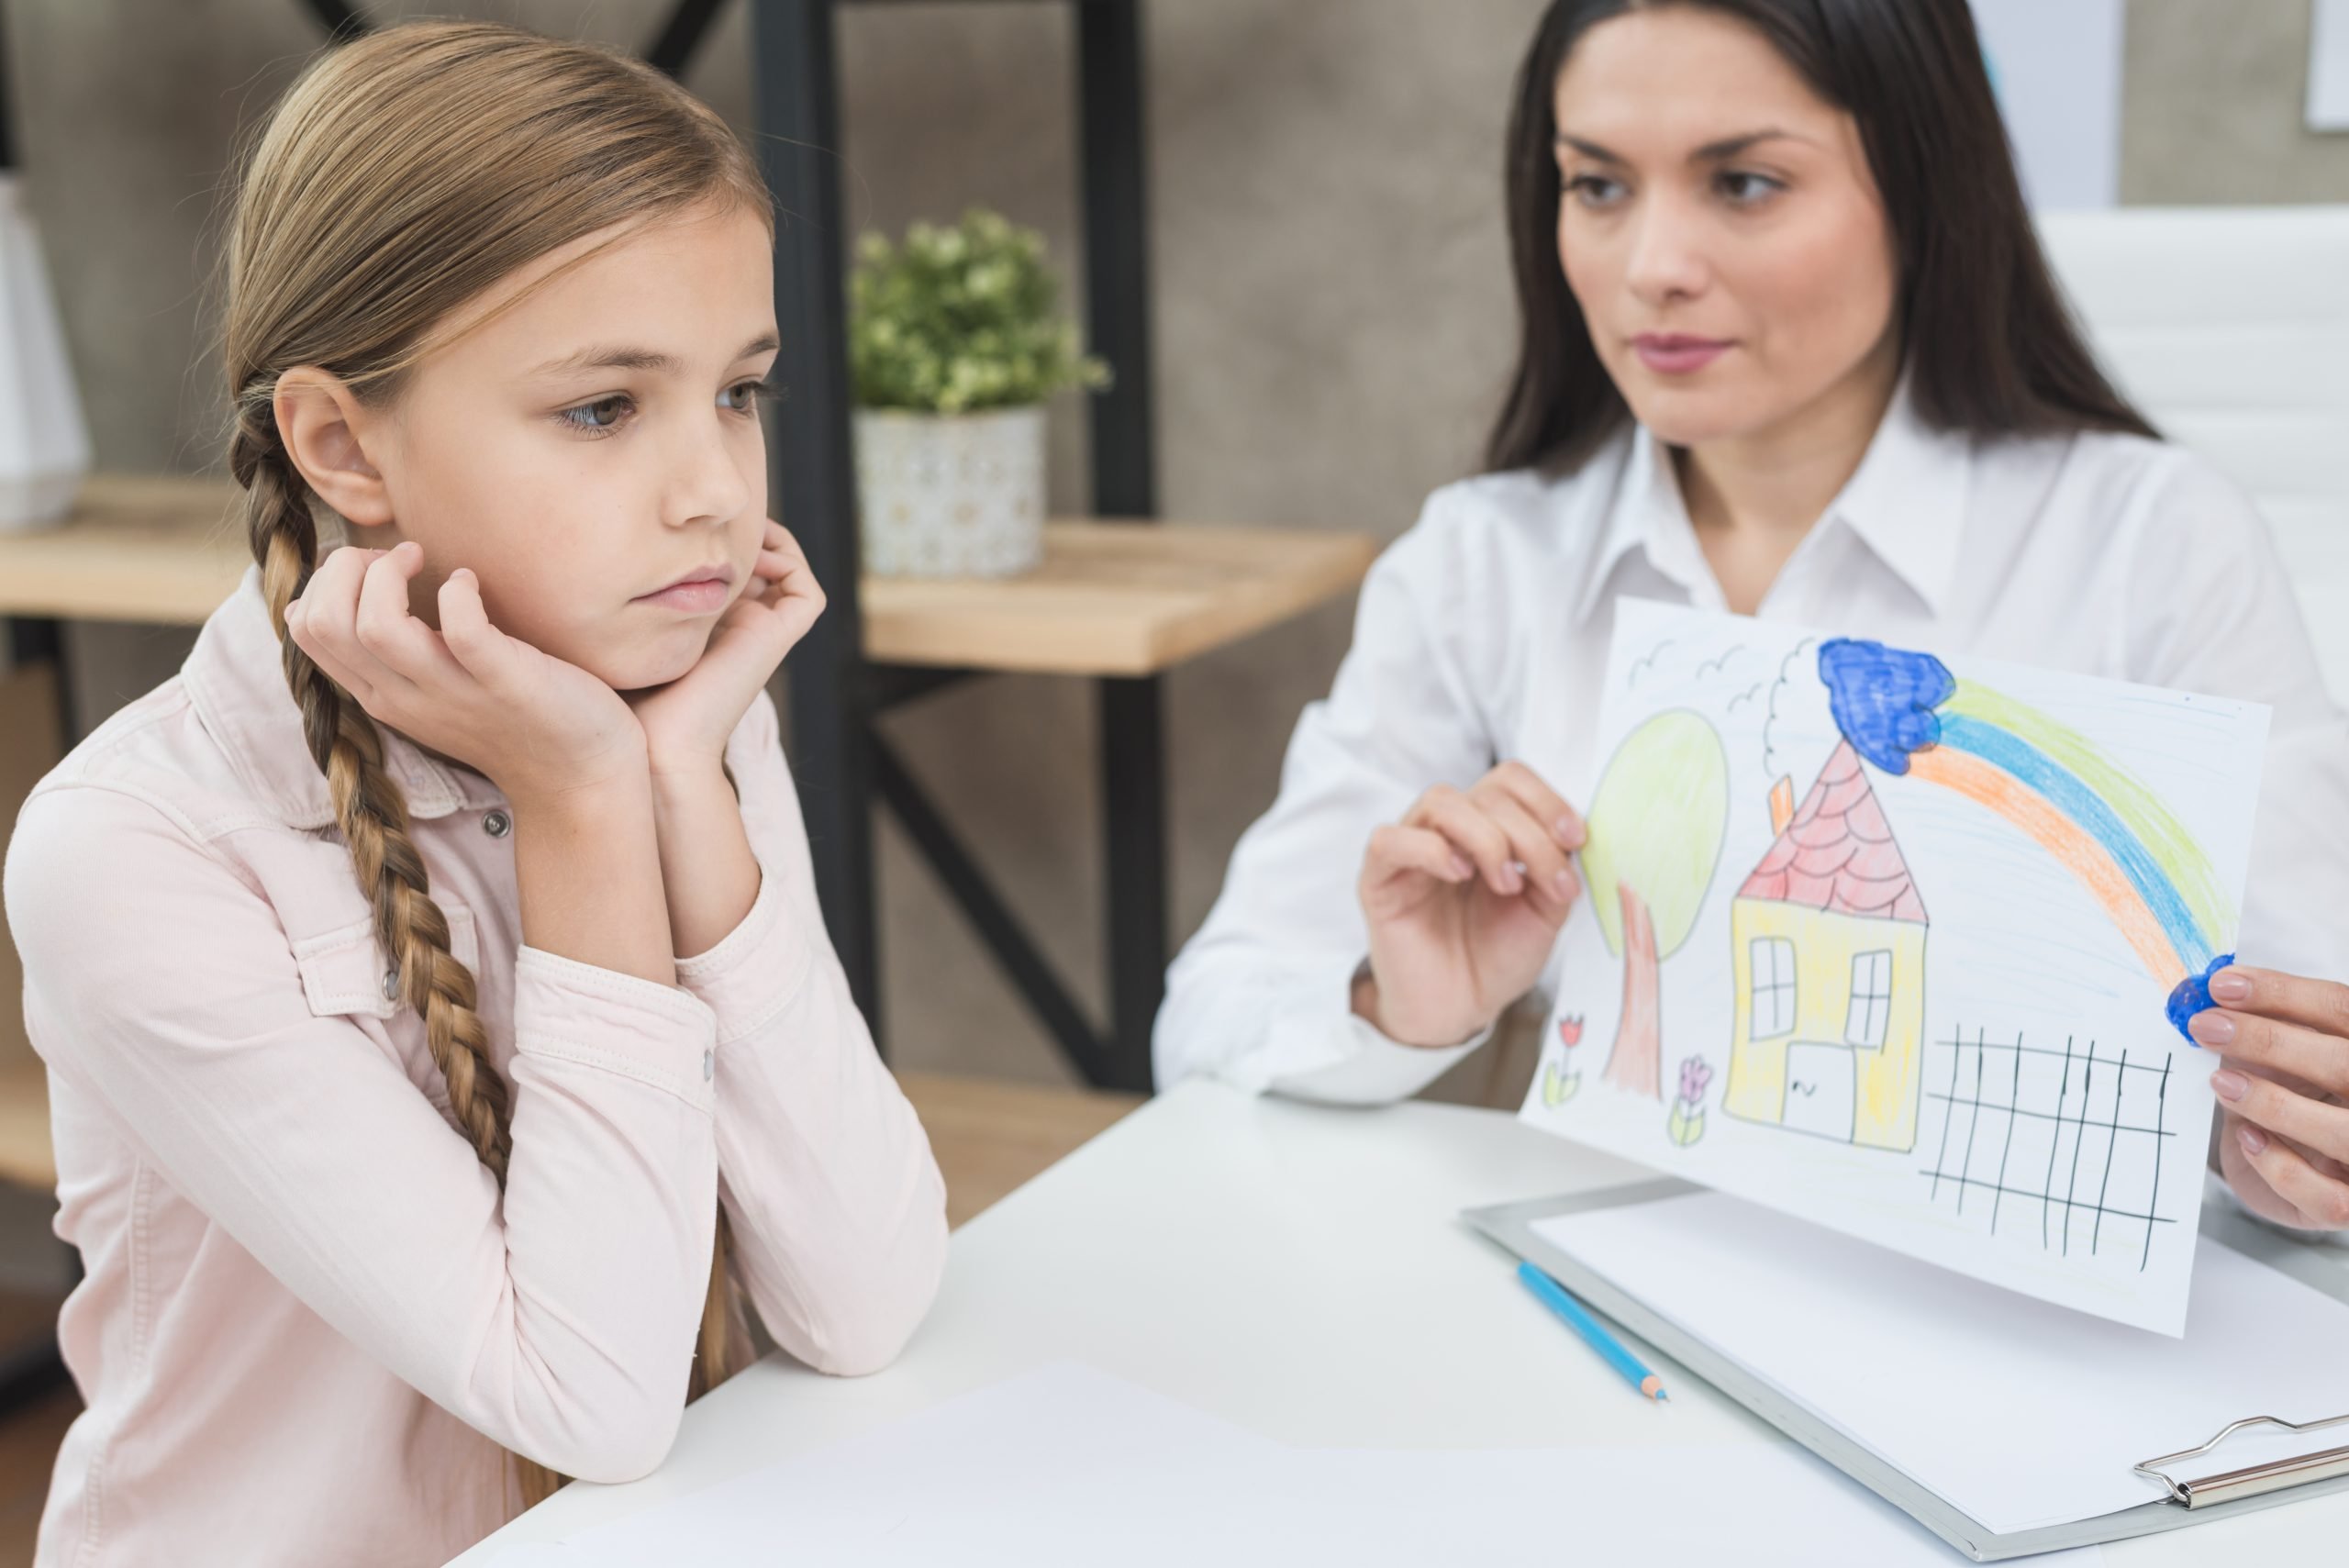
(956, 320)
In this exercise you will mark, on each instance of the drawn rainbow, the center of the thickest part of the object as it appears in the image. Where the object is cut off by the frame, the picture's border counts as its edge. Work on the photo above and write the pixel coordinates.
(1907, 714)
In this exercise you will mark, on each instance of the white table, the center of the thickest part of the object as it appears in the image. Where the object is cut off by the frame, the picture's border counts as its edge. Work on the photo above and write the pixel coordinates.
(1298, 1270)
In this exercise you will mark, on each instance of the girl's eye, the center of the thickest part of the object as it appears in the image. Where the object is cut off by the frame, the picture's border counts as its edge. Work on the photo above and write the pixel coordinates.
(1594, 190)
(1746, 189)
(743, 396)
(604, 414)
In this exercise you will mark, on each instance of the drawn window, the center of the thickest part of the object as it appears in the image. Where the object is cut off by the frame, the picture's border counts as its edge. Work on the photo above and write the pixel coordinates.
(1773, 960)
(1871, 1009)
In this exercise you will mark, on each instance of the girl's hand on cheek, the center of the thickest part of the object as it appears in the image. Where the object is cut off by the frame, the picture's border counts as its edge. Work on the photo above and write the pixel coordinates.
(536, 726)
(686, 723)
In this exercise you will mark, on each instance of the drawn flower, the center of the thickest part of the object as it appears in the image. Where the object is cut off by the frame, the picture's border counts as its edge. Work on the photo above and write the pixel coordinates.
(1570, 1032)
(1695, 1076)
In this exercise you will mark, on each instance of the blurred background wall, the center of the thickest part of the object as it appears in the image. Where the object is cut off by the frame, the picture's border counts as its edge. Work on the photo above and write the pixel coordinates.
(1331, 296)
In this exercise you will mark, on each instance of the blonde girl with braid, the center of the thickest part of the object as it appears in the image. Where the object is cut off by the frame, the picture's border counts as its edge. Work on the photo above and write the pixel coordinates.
(446, 1053)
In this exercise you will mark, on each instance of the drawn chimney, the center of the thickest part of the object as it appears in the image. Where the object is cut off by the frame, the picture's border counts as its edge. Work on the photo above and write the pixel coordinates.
(1782, 806)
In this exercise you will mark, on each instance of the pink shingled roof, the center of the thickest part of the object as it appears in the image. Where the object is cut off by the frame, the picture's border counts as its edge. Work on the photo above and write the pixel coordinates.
(1838, 854)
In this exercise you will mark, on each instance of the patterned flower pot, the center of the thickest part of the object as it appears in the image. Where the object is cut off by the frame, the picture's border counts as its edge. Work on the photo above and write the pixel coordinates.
(950, 494)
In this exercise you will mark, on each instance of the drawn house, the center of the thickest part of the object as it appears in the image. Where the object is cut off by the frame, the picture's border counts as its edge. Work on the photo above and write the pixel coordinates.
(1829, 939)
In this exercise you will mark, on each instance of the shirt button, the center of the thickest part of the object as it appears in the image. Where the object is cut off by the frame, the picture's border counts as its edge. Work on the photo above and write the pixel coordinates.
(391, 985)
(708, 1065)
(498, 824)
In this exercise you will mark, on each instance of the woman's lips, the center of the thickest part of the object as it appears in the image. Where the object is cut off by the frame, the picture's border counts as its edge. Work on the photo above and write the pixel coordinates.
(1673, 354)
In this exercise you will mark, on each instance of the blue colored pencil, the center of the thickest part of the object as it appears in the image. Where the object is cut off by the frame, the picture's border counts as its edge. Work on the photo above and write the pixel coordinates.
(1555, 1298)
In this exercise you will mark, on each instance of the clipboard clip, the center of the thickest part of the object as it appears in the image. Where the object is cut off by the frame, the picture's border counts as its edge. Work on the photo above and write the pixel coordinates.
(2251, 1481)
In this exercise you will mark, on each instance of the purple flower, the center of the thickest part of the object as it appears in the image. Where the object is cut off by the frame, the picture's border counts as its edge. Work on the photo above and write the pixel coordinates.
(1695, 1075)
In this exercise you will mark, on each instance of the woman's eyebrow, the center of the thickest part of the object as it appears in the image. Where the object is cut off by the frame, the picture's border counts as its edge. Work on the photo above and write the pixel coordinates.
(620, 356)
(1711, 152)
(1730, 146)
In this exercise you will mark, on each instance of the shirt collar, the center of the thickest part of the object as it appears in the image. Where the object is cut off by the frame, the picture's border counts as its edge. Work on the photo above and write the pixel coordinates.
(1906, 501)
(1649, 514)
(235, 677)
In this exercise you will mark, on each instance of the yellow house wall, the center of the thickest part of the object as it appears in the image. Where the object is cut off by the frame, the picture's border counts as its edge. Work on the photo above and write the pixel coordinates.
(1885, 1094)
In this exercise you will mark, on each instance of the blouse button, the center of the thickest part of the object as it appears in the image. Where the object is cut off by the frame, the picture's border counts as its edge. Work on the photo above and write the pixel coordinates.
(498, 824)
(391, 985)
(708, 1065)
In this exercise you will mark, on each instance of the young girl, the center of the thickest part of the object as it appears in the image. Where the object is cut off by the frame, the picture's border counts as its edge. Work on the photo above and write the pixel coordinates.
(438, 1043)
(1789, 349)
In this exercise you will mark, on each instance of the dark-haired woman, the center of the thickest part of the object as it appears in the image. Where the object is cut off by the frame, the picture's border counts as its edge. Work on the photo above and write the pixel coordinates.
(1790, 349)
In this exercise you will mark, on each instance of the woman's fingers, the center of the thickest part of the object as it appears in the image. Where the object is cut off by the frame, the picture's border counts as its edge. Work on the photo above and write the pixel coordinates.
(1473, 834)
(1395, 848)
(2317, 1124)
(2320, 1004)
(2294, 1051)
(1550, 882)
(1546, 806)
(2322, 1200)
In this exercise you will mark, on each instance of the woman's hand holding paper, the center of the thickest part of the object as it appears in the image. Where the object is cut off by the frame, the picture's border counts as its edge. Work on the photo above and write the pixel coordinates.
(1464, 899)
(2283, 1093)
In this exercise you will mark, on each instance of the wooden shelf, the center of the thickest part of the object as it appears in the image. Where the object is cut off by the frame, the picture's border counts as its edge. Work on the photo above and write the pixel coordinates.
(137, 547)
(1110, 598)
(1114, 599)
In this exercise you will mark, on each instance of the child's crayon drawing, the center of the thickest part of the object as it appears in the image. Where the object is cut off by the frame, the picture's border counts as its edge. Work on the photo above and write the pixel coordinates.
(1970, 909)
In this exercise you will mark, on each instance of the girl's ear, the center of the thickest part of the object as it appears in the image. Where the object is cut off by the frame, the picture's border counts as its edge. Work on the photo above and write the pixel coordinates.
(327, 430)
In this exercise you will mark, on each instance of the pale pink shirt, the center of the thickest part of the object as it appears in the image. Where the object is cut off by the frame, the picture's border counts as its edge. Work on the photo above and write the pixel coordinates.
(309, 1320)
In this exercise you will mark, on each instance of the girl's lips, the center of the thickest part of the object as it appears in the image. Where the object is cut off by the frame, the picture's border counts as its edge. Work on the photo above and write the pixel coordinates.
(702, 595)
(1673, 354)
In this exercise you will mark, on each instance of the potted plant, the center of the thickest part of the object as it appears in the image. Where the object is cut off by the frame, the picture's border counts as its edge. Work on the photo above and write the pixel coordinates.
(954, 341)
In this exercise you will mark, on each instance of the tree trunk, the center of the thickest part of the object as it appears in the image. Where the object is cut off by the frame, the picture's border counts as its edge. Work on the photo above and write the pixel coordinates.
(1635, 1062)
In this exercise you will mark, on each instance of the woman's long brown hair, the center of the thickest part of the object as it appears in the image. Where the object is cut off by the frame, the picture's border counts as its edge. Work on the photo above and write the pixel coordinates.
(401, 176)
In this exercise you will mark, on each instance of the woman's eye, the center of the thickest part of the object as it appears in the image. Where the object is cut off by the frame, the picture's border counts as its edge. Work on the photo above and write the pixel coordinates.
(1594, 190)
(1744, 189)
(743, 396)
(604, 414)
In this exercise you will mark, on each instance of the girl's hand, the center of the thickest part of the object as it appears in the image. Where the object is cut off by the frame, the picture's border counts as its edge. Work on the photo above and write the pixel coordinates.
(687, 722)
(535, 726)
(2284, 1138)
(1464, 898)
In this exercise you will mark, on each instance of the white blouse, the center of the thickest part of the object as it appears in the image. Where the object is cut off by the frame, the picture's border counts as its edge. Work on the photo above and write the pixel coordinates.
(1482, 635)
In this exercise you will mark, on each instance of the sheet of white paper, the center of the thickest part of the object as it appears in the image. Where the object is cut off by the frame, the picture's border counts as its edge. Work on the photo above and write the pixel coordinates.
(1929, 1009)
(2019, 1412)
(1069, 1466)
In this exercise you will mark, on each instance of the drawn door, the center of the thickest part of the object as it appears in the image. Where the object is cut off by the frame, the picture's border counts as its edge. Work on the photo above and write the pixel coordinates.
(1823, 1083)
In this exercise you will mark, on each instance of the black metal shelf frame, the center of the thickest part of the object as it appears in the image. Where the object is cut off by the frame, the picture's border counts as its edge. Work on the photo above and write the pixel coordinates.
(836, 695)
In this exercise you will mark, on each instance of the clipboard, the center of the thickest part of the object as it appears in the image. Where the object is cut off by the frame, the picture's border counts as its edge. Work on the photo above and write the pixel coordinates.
(2201, 1484)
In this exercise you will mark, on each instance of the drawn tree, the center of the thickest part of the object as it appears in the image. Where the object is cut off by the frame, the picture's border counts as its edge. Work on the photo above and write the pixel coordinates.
(1656, 829)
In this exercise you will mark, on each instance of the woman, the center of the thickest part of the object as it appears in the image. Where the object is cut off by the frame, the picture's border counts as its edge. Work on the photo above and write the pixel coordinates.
(1790, 349)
